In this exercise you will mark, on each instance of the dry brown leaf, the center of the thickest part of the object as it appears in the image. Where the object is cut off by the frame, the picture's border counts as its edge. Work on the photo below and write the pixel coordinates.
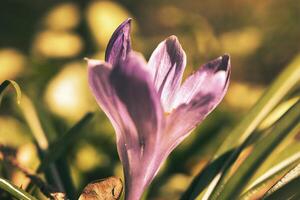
(58, 196)
(104, 189)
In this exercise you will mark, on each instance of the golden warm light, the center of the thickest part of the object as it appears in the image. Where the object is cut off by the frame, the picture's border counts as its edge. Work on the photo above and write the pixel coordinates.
(103, 17)
(238, 95)
(20, 179)
(241, 42)
(187, 99)
(170, 16)
(67, 94)
(27, 156)
(31, 116)
(176, 185)
(57, 44)
(12, 63)
(278, 112)
(118, 171)
(88, 158)
(13, 133)
(64, 16)
(206, 39)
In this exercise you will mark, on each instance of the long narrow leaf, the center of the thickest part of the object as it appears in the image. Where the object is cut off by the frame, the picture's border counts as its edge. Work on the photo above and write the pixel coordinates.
(200, 182)
(288, 149)
(219, 180)
(277, 112)
(61, 167)
(289, 191)
(275, 93)
(14, 190)
(289, 177)
(65, 142)
(232, 188)
(15, 85)
(266, 181)
(59, 148)
(32, 118)
(239, 136)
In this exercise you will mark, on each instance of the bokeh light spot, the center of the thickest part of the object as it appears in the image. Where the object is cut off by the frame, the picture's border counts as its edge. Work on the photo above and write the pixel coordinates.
(67, 94)
(175, 185)
(88, 158)
(103, 18)
(242, 42)
(63, 17)
(27, 156)
(57, 44)
(169, 16)
(238, 95)
(13, 133)
(12, 63)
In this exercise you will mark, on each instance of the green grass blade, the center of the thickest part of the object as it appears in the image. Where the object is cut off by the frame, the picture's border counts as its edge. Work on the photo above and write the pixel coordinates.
(64, 172)
(289, 191)
(275, 167)
(274, 94)
(201, 181)
(219, 180)
(51, 153)
(31, 117)
(239, 136)
(236, 183)
(266, 181)
(57, 173)
(15, 85)
(58, 148)
(15, 191)
(285, 180)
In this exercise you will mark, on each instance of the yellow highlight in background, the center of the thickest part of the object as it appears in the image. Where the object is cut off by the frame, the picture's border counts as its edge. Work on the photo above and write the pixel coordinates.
(57, 44)
(67, 94)
(103, 18)
(12, 63)
(64, 16)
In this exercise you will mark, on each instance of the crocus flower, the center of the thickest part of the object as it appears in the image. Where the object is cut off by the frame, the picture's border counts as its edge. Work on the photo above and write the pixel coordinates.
(149, 108)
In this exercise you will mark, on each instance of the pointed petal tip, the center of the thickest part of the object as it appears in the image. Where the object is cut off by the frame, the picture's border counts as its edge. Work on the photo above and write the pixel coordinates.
(125, 22)
(173, 45)
(119, 44)
(173, 38)
(128, 20)
(225, 62)
(226, 56)
(226, 66)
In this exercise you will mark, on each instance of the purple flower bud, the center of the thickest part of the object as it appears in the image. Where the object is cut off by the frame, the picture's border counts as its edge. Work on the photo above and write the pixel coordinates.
(149, 108)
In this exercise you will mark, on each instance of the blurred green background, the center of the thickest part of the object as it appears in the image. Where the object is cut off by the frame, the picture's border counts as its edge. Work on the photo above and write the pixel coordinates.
(43, 43)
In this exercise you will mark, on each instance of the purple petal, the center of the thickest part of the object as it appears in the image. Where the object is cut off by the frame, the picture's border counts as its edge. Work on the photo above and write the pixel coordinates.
(119, 44)
(134, 88)
(197, 97)
(211, 75)
(167, 64)
(104, 93)
(127, 137)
